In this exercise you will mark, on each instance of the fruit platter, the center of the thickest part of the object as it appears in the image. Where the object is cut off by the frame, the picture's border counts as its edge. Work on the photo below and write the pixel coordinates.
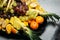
(24, 19)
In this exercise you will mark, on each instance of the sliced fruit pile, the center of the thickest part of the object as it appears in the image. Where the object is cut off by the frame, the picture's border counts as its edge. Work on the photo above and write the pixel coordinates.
(14, 24)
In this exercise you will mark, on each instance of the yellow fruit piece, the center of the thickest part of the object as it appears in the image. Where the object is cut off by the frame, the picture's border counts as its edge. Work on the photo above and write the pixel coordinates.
(7, 20)
(12, 20)
(16, 23)
(33, 5)
(13, 30)
(26, 23)
(40, 9)
(1, 21)
(28, 2)
(8, 28)
(15, 18)
(5, 23)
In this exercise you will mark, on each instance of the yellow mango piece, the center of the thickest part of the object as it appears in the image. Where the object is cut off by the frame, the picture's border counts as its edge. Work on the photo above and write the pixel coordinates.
(26, 23)
(8, 28)
(33, 4)
(12, 20)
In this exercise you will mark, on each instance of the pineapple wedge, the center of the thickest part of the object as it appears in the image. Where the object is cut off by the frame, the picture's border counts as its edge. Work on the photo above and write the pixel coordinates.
(16, 23)
(12, 20)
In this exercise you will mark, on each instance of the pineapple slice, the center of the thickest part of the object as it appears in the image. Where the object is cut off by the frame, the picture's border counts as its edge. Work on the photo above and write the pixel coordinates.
(12, 20)
(16, 23)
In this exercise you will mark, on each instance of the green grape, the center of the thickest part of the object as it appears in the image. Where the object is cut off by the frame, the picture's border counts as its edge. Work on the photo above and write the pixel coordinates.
(12, 11)
(22, 18)
(14, 4)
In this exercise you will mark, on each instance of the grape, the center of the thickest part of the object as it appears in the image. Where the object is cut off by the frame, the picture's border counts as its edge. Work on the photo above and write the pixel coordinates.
(18, 1)
(21, 8)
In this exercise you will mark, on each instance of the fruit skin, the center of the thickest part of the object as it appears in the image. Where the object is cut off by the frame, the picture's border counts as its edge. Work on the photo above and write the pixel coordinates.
(16, 23)
(12, 20)
(39, 19)
(34, 25)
